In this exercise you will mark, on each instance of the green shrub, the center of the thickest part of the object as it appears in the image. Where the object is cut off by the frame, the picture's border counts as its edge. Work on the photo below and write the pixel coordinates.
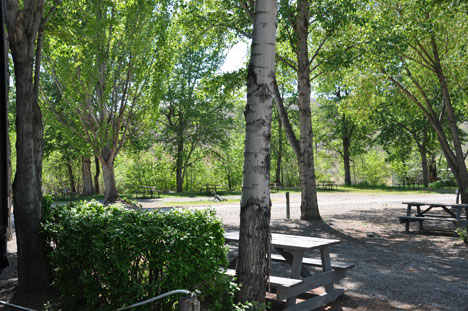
(443, 183)
(105, 257)
(463, 234)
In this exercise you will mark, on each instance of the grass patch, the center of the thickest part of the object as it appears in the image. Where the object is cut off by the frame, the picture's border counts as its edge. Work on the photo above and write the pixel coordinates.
(390, 189)
(209, 196)
(195, 203)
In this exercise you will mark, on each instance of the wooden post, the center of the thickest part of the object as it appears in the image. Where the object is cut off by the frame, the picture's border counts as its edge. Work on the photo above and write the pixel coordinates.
(288, 213)
(189, 304)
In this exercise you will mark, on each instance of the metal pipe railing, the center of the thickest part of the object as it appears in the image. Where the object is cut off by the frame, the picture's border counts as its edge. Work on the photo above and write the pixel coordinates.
(15, 306)
(177, 291)
(195, 306)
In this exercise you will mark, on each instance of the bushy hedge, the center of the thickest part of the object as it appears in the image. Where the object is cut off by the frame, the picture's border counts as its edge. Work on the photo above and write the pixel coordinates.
(105, 257)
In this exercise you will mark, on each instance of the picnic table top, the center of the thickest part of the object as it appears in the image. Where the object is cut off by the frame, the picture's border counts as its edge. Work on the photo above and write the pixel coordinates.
(288, 241)
(454, 205)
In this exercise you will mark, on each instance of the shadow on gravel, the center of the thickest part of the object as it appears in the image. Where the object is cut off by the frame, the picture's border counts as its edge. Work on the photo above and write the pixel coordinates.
(394, 270)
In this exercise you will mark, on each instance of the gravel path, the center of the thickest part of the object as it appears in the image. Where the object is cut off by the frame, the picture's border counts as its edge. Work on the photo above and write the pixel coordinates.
(394, 270)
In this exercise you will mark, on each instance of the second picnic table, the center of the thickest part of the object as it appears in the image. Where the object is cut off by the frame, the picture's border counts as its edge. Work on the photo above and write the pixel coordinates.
(291, 250)
(326, 184)
(212, 187)
(151, 190)
(447, 212)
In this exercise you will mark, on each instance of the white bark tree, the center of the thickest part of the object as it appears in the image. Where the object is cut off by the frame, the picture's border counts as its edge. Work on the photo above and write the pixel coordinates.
(254, 244)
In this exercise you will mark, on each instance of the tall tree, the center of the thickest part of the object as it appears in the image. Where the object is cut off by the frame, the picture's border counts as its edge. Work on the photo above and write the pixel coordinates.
(254, 243)
(5, 212)
(25, 23)
(416, 46)
(337, 128)
(195, 110)
(306, 30)
(88, 188)
(111, 50)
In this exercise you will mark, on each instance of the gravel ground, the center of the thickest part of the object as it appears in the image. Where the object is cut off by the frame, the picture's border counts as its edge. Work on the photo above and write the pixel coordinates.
(393, 270)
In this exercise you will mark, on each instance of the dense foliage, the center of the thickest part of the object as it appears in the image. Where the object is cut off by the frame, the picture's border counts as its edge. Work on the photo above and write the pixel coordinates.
(105, 257)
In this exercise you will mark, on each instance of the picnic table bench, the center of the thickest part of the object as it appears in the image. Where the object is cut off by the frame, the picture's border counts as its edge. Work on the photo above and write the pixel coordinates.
(291, 250)
(151, 190)
(445, 213)
(63, 192)
(274, 187)
(327, 184)
(212, 188)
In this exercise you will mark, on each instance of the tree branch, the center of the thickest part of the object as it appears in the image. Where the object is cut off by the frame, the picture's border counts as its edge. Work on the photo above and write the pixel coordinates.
(319, 48)
(288, 129)
(289, 63)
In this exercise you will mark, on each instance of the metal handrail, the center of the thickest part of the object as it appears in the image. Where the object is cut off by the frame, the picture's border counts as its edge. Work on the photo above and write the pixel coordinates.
(177, 291)
(15, 306)
(173, 292)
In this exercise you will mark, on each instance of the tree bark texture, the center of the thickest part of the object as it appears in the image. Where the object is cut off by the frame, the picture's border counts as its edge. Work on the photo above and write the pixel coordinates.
(70, 174)
(110, 189)
(432, 169)
(280, 153)
(25, 28)
(86, 174)
(10, 193)
(422, 148)
(309, 205)
(346, 159)
(180, 163)
(303, 147)
(255, 237)
(27, 196)
(424, 168)
(10, 172)
(96, 176)
(457, 159)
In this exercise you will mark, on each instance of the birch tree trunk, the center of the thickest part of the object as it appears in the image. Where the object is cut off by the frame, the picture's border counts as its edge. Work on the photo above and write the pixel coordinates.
(86, 174)
(254, 244)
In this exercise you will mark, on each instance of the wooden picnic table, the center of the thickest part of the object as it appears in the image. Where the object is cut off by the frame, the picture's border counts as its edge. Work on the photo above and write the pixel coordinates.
(65, 191)
(151, 190)
(212, 187)
(444, 212)
(326, 184)
(274, 186)
(291, 249)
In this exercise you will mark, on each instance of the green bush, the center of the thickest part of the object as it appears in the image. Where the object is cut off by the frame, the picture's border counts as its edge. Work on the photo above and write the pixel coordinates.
(443, 183)
(463, 234)
(105, 257)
